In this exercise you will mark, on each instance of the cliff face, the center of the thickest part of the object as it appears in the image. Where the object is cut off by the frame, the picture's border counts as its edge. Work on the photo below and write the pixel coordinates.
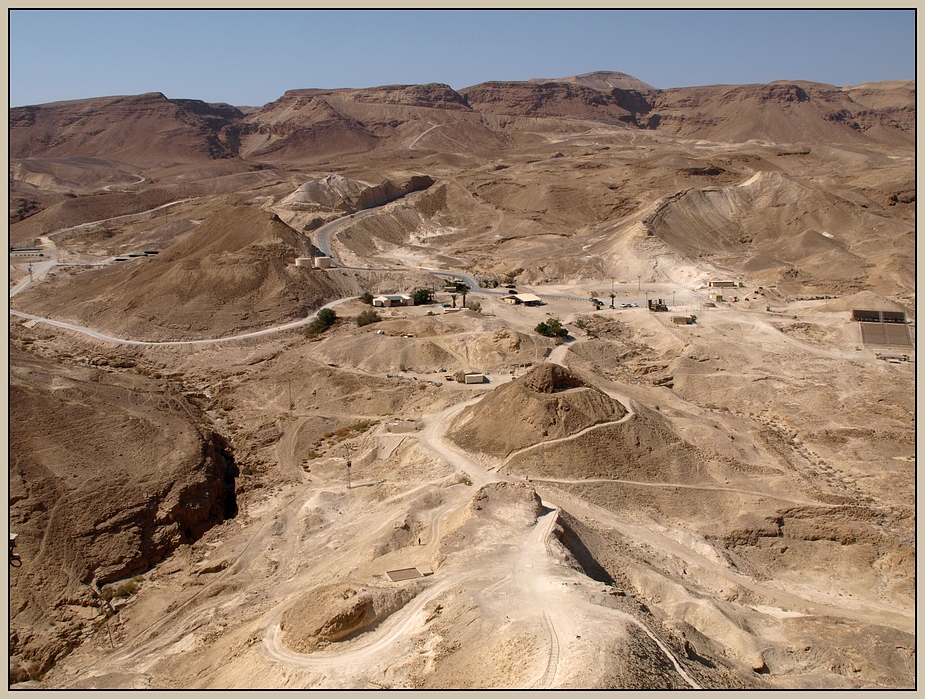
(794, 112)
(552, 99)
(108, 476)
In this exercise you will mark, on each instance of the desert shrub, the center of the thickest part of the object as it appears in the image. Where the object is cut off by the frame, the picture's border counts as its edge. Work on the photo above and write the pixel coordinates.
(122, 589)
(474, 306)
(551, 328)
(324, 320)
(366, 298)
(367, 317)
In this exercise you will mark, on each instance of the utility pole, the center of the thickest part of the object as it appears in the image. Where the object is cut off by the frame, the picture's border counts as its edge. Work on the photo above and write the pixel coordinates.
(347, 456)
(30, 272)
(638, 282)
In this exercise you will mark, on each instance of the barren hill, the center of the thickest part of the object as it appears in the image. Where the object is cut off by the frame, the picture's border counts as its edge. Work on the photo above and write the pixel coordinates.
(787, 112)
(145, 129)
(311, 125)
(549, 402)
(234, 271)
(718, 496)
(604, 80)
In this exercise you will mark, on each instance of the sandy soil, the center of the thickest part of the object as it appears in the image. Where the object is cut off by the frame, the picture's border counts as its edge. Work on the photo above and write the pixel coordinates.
(722, 505)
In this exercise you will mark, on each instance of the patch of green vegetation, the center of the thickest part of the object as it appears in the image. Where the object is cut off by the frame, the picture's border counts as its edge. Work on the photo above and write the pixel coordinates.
(323, 320)
(552, 328)
(368, 317)
(422, 296)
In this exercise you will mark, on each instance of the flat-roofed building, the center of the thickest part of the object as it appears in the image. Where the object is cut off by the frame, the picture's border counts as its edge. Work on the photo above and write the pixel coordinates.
(389, 300)
(525, 299)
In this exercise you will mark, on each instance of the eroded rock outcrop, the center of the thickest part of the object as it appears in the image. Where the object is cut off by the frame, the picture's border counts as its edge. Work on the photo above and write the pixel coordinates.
(339, 193)
(108, 476)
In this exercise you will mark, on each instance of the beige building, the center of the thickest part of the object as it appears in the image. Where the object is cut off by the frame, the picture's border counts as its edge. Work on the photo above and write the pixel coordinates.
(525, 299)
(389, 300)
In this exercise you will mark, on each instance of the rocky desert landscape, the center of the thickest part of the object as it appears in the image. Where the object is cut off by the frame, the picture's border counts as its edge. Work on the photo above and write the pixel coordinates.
(649, 423)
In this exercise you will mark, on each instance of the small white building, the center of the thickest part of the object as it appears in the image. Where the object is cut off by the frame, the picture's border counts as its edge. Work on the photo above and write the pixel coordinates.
(322, 262)
(389, 300)
(304, 262)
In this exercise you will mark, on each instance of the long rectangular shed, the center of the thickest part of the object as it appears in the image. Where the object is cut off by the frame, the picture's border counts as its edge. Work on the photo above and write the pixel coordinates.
(389, 300)
(878, 316)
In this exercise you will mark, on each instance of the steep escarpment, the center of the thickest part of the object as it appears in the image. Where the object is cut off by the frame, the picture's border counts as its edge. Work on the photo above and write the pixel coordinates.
(788, 112)
(552, 99)
(146, 129)
(108, 475)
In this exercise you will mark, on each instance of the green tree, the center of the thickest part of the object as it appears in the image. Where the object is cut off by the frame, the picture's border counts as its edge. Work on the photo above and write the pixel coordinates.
(366, 298)
(552, 328)
(422, 296)
(324, 319)
(367, 317)
(327, 317)
(463, 289)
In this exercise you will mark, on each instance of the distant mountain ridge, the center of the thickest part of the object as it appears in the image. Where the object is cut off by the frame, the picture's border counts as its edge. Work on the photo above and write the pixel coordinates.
(602, 80)
(306, 125)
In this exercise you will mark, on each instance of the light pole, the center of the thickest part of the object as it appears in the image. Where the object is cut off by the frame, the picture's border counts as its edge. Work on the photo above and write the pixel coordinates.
(347, 455)
(638, 282)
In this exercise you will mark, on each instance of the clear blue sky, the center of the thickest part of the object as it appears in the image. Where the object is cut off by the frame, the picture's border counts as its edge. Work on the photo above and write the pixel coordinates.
(250, 57)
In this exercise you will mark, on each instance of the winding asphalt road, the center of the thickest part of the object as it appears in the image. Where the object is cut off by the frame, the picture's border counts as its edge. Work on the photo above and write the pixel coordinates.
(323, 238)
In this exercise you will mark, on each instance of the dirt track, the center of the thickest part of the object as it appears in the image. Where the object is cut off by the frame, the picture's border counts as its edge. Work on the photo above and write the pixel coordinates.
(762, 540)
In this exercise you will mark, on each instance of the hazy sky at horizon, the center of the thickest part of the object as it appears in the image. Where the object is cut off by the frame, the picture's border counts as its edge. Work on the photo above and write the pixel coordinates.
(251, 57)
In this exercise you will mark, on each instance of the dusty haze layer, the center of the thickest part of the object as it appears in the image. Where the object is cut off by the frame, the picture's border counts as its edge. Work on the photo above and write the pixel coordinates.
(650, 503)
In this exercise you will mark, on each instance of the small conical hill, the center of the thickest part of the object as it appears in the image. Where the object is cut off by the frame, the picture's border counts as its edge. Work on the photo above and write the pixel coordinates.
(549, 402)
